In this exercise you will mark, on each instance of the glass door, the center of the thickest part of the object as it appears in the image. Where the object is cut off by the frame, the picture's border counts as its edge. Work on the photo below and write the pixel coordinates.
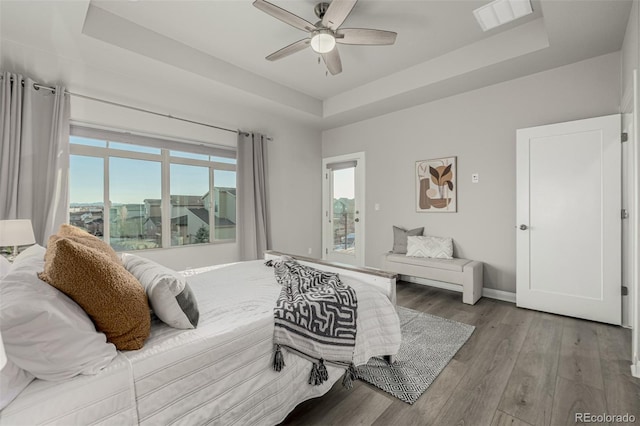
(343, 216)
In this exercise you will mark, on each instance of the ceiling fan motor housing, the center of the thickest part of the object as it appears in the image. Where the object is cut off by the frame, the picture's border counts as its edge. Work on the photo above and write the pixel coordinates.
(321, 9)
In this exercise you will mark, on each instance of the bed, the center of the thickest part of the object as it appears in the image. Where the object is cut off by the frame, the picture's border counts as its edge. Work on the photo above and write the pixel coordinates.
(219, 372)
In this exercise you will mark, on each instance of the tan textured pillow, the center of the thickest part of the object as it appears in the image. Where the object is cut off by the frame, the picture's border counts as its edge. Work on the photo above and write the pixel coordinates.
(111, 296)
(83, 237)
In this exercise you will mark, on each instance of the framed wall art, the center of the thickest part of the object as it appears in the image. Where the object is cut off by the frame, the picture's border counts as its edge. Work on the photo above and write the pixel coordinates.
(436, 185)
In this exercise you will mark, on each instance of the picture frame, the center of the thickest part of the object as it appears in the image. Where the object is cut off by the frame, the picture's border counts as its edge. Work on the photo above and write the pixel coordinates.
(436, 185)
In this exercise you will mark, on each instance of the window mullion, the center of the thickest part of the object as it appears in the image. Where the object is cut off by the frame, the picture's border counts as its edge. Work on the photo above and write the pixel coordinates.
(212, 206)
(224, 166)
(88, 151)
(166, 200)
(106, 208)
(134, 155)
(190, 162)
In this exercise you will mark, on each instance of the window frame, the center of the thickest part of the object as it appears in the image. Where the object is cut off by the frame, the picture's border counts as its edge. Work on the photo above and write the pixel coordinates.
(165, 160)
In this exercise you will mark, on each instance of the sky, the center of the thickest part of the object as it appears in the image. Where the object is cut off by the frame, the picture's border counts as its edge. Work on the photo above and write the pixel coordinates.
(131, 181)
(343, 183)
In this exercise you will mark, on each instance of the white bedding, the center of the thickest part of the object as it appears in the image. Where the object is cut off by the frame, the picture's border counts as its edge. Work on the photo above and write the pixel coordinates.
(218, 373)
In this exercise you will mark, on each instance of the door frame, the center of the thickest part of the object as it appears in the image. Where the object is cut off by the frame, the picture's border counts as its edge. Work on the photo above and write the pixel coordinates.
(360, 204)
(634, 226)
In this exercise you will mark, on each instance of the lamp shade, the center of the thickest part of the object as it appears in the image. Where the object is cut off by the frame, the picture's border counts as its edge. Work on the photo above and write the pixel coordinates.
(17, 232)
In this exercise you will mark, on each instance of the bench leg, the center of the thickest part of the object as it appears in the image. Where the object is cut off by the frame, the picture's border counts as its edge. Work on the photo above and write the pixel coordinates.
(472, 282)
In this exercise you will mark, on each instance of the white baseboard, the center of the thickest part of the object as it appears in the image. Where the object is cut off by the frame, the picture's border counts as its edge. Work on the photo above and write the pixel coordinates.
(491, 293)
(506, 296)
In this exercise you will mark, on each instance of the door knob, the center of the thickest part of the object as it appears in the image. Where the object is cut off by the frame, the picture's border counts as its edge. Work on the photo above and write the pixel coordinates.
(523, 227)
(357, 220)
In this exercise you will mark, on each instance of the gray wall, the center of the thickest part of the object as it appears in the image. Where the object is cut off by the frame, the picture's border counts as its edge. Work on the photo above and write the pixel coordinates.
(630, 52)
(479, 128)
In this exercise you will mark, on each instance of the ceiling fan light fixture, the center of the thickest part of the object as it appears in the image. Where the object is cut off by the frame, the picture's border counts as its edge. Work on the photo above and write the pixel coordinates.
(323, 41)
(324, 34)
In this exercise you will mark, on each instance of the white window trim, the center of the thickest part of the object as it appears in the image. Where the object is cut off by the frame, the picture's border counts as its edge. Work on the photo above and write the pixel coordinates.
(165, 160)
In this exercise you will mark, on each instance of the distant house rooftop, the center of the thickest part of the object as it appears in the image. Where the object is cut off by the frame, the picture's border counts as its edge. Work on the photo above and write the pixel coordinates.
(155, 220)
(222, 189)
(180, 220)
(201, 213)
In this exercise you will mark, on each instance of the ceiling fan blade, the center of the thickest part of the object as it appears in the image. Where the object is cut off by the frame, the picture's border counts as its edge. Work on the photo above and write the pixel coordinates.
(337, 12)
(284, 15)
(365, 36)
(290, 49)
(332, 61)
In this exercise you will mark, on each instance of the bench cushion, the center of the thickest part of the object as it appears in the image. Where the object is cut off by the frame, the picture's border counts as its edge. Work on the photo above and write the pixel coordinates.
(455, 265)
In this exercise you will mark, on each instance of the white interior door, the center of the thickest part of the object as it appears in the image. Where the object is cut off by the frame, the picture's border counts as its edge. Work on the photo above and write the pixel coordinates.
(343, 212)
(568, 213)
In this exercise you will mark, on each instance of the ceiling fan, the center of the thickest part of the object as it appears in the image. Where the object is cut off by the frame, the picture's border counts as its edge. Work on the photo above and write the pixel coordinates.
(324, 34)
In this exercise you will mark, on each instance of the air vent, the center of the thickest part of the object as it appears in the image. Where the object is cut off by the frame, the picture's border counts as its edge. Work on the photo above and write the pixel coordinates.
(499, 12)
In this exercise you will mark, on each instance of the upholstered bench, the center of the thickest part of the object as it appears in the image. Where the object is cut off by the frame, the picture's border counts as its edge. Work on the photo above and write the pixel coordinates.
(464, 272)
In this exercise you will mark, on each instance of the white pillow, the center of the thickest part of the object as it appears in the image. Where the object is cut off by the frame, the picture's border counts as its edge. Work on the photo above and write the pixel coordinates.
(426, 246)
(45, 332)
(13, 380)
(170, 296)
(35, 250)
(5, 265)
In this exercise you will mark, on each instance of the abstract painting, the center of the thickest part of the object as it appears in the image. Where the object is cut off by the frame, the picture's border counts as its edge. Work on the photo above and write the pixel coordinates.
(436, 185)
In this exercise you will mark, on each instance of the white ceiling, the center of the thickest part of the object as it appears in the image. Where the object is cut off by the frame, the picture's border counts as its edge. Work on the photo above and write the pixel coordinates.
(440, 49)
(242, 35)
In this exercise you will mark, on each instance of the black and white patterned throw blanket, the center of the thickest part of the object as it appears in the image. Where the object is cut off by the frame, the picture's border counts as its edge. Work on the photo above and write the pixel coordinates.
(315, 317)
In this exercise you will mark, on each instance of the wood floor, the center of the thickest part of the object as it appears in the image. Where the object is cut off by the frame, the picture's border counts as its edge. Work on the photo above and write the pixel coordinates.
(519, 367)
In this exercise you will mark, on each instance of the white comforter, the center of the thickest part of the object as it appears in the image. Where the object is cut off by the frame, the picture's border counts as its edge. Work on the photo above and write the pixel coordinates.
(219, 373)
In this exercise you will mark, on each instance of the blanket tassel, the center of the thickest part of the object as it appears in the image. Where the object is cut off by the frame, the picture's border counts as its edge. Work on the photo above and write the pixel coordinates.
(322, 371)
(349, 376)
(278, 359)
(313, 377)
(318, 374)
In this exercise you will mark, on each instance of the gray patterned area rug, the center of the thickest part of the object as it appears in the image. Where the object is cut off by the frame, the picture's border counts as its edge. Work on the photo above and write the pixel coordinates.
(428, 344)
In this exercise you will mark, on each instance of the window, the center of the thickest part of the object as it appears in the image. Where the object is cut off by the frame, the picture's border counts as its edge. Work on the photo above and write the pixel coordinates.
(225, 204)
(190, 202)
(86, 192)
(133, 185)
(140, 193)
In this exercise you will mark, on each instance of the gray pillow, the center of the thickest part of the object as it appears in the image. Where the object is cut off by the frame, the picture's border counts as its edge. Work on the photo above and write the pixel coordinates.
(400, 236)
(169, 294)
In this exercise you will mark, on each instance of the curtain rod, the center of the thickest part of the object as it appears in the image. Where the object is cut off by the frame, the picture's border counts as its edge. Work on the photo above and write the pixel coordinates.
(38, 86)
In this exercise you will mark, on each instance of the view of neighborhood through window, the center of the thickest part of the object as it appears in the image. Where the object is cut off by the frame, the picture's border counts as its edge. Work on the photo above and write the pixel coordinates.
(225, 204)
(344, 237)
(86, 187)
(198, 184)
(132, 195)
(190, 204)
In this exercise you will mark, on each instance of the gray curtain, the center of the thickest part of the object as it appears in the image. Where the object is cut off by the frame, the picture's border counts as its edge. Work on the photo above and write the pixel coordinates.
(253, 218)
(34, 154)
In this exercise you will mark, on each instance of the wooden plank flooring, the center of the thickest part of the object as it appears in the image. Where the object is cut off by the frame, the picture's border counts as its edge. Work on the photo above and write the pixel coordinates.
(519, 368)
